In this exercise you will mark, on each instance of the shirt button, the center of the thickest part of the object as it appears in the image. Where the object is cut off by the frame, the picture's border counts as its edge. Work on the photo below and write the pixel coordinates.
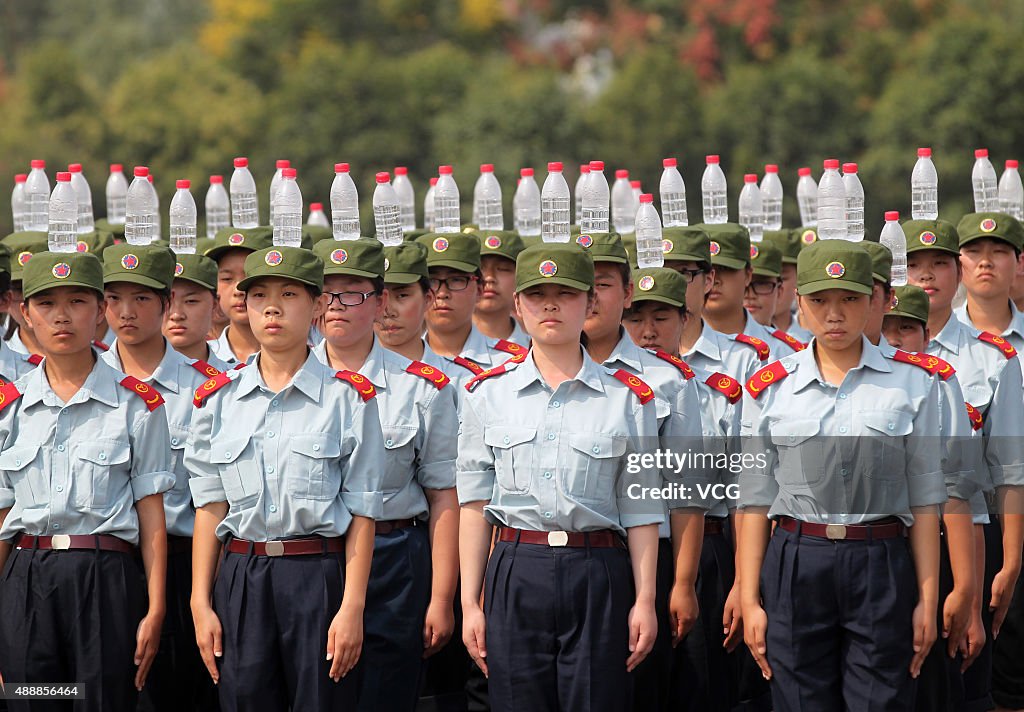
(547, 514)
(842, 471)
(555, 404)
(273, 508)
(547, 475)
(389, 442)
(551, 436)
(316, 448)
(505, 439)
(103, 456)
(61, 448)
(270, 434)
(842, 428)
(174, 441)
(596, 449)
(270, 470)
(842, 396)
(273, 402)
(17, 461)
(56, 526)
(892, 426)
(227, 454)
(60, 488)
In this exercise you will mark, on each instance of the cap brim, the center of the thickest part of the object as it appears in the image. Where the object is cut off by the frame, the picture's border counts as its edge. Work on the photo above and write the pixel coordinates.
(140, 279)
(972, 238)
(937, 248)
(214, 252)
(63, 283)
(610, 258)
(728, 263)
(248, 281)
(645, 297)
(333, 269)
(788, 260)
(702, 261)
(915, 317)
(758, 272)
(194, 280)
(564, 281)
(824, 284)
(467, 267)
(402, 278)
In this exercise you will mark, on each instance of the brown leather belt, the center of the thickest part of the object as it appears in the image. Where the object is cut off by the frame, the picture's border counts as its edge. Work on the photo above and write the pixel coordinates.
(179, 544)
(393, 524)
(290, 547)
(713, 525)
(64, 542)
(604, 538)
(888, 528)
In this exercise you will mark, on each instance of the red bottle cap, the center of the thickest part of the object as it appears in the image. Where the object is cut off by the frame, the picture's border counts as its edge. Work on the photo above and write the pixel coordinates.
(313, 207)
(831, 163)
(621, 173)
(38, 164)
(803, 172)
(892, 215)
(771, 168)
(444, 170)
(241, 162)
(597, 166)
(646, 198)
(401, 171)
(341, 168)
(141, 172)
(74, 168)
(750, 178)
(288, 172)
(215, 180)
(981, 153)
(924, 153)
(849, 168)
(711, 159)
(20, 178)
(184, 183)
(282, 164)
(116, 168)
(526, 172)
(669, 163)
(555, 167)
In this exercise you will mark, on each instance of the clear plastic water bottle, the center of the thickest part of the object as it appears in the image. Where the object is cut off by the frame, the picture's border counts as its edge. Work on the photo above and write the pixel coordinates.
(140, 209)
(893, 237)
(387, 214)
(638, 190)
(594, 217)
(86, 221)
(623, 209)
(578, 192)
(554, 201)
(983, 177)
(406, 198)
(183, 219)
(446, 202)
(428, 205)
(19, 205)
(487, 200)
(854, 203)
(288, 211)
(245, 212)
(673, 195)
(924, 187)
(831, 203)
(275, 183)
(526, 204)
(650, 251)
(62, 214)
(317, 216)
(218, 207)
(807, 198)
(344, 204)
(1011, 192)
(751, 209)
(714, 193)
(116, 192)
(771, 197)
(37, 195)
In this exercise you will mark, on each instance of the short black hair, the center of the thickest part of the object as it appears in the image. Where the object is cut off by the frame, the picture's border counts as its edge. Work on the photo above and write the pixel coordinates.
(634, 308)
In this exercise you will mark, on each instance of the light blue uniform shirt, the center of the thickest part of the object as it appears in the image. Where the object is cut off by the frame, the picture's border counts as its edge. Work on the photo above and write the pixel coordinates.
(291, 464)
(1014, 333)
(798, 332)
(518, 336)
(816, 470)
(556, 460)
(13, 365)
(221, 348)
(79, 467)
(478, 349)
(720, 421)
(714, 351)
(16, 344)
(420, 427)
(779, 348)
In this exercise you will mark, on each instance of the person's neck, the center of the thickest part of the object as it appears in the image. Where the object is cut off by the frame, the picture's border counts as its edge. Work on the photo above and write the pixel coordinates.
(242, 341)
(783, 320)
(1019, 302)
(557, 363)
(834, 365)
(140, 360)
(691, 332)
(600, 347)
(199, 350)
(29, 341)
(278, 368)
(412, 349)
(732, 323)
(991, 314)
(67, 373)
(351, 357)
(938, 317)
(494, 325)
(449, 343)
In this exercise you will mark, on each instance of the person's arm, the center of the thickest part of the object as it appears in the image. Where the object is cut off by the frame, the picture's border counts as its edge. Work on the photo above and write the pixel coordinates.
(924, 545)
(153, 545)
(1011, 517)
(643, 620)
(345, 634)
(687, 541)
(956, 609)
(444, 553)
(753, 540)
(205, 554)
(475, 534)
(974, 640)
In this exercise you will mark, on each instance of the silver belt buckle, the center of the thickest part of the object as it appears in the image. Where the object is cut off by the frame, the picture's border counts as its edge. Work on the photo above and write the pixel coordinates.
(558, 538)
(835, 531)
(60, 542)
(274, 548)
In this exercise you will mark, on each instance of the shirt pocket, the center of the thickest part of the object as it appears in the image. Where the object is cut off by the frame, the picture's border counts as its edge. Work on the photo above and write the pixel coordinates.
(401, 456)
(96, 463)
(15, 463)
(238, 475)
(513, 456)
(883, 448)
(801, 457)
(313, 469)
(593, 466)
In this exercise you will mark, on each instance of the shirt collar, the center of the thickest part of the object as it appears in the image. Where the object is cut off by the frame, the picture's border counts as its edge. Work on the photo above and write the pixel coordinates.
(101, 384)
(527, 373)
(707, 344)
(9, 361)
(308, 379)
(807, 366)
(626, 352)
(166, 372)
(1016, 320)
(372, 368)
(476, 347)
(949, 336)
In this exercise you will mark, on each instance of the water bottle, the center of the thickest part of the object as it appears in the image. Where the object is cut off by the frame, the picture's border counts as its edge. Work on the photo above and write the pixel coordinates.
(288, 211)
(578, 191)
(344, 204)
(387, 214)
(245, 212)
(554, 201)
(117, 192)
(623, 209)
(807, 198)
(831, 203)
(714, 193)
(275, 183)
(638, 190)
(19, 205)
(983, 176)
(771, 197)
(140, 209)
(526, 204)
(854, 203)
(895, 239)
(446, 202)
(62, 214)
(673, 195)
(750, 208)
(183, 219)
(650, 251)
(924, 187)
(594, 216)
(218, 207)
(1011, 192)
(317, 216)
(428, 206)
(406, 198)
(37, 195)
(487, 200)
(86, 222)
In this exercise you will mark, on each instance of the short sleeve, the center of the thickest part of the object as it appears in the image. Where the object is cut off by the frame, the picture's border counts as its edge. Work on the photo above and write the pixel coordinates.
(758, 485)
(151, 471)
(204, 478)
(474, 465)
(438, 441)
(363, 457)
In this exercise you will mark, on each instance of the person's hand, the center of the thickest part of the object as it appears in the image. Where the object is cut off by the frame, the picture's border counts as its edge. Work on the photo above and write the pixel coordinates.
(924, 636)
(682, 610)
(956, 615)
(732, 620)
(147, 639)
(438, 626)
(208, 638)
(474, 635)
(755, 634)
(1003, 584)
(974, 639)
(344, 641)
(643, 630)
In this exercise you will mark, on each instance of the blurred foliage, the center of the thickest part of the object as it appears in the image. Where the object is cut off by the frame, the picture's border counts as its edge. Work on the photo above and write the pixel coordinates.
(185, 85)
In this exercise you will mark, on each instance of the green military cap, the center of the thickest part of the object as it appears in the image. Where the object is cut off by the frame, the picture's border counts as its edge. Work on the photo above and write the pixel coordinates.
(203, 244)
(22, 246)
(881, 260)
(95, 242)
(295, 263)
(196, 268)
(457, 250)
(360, 258)
(115, 229)
(252, 238)
(788, 242)
(910, 301)
(603, 246)
(149, 265)
(405, 263)
(629, 244)
(410, 235)
(531, 240)
(1000, 226)
(931, 235)
(503, 243)
(660, 284)
(5, 259)
(730, 245)
(469, 228)
(834, 264)
(316, 233)
(806, 235)
(575, 230)
(555, 263)
(687, 244)
(766, 259)
(62, 269)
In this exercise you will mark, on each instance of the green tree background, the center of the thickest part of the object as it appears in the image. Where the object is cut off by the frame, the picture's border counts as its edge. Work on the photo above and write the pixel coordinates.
(184, 85)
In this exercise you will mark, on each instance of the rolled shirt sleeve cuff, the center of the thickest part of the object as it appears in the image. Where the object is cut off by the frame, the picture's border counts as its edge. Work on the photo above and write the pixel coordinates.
(927, 489)
(151, 483)
(475, 487)
(1007, 475)
(207, 490)
(638, 519)
(437, 475)
(961, 486)
(757, 491)
(364, 504)
(6, 498)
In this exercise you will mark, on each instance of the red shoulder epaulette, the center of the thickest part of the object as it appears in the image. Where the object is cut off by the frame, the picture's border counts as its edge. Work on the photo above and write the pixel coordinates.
(633, 383)
(726, 385)
(675, 361)
(999, 342)
(915, 360)
(765, 377)
(434, 375)
(358, 381)
(792, 342)
(496, 371)
(977, 419)
(204, 368)
(100, 345)
(940, 367)
(474, 368)
(762, 349)
(8, 394)
(509, 347)
(144, 391)
(34, 359)
(210, 387)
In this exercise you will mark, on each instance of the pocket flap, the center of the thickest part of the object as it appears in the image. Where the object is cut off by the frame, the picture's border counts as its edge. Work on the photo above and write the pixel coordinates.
(598, 445)
(889, 422)
(790, 433)
(317, 445)
(396, 436)
(16, 458)
(506, 437)
(104, 452)
(225, 450)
